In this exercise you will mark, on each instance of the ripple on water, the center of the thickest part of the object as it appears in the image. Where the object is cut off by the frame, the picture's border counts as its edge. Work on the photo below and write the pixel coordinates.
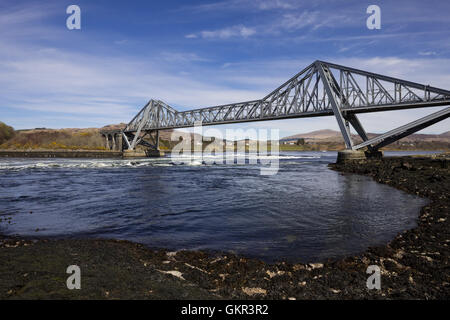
(305, 212)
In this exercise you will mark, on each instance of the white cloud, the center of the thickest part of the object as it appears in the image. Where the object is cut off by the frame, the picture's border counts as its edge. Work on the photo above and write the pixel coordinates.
(280, 24)
(116, 88)
(23, 15)
(21, 22)
(296, 21)
(276, 4)
(232, 5)
(121, 42)
(182, 57)
(427, 53)
(239, 31)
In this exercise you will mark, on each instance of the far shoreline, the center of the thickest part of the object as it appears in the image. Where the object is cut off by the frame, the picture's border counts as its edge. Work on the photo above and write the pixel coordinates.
(108, 154)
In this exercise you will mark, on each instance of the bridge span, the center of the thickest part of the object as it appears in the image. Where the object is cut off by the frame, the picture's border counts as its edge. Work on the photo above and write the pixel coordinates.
(321, 89)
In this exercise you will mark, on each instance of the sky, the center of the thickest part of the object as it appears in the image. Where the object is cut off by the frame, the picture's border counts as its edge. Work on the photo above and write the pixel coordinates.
(193, 54)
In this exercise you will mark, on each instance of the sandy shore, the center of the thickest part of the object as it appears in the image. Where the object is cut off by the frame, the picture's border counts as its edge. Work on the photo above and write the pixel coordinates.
(413, 265)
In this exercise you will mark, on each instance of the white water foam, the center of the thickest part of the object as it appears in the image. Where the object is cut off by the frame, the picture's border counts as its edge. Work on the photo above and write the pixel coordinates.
(187, 159)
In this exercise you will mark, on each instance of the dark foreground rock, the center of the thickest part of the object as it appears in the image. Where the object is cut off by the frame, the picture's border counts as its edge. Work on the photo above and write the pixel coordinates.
(414, 265)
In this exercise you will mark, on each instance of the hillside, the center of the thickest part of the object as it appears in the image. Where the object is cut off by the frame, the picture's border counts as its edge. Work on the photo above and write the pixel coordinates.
(69, 139)
(319, 134)
(91, 139)
(35, 139)
(332, 140)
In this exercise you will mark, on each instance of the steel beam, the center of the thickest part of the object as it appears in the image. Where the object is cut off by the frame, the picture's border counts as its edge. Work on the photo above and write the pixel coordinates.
(405, 130)
(328, 84)
(157, 140)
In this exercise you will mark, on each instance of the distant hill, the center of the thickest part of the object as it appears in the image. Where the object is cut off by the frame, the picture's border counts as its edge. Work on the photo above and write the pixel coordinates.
(332, 140)
(319, 134)
(91, 139)
(333, 134)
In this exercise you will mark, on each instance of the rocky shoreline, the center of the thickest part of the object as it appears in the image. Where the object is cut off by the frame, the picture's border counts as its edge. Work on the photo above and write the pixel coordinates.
(414, 265)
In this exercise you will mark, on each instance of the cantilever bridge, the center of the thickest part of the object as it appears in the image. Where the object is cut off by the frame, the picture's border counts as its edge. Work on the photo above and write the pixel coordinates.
(321, 89)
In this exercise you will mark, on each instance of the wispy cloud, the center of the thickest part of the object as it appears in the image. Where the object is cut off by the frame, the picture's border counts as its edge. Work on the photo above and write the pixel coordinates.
(182, 57)
(296, 21)
(27, 21)
(238, 31)
(286, 22)
(427, 53)
(281, 23)
(23, 15)
(232, 5)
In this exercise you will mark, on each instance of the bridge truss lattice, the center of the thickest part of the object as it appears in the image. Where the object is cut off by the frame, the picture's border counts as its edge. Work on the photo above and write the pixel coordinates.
(321, 89)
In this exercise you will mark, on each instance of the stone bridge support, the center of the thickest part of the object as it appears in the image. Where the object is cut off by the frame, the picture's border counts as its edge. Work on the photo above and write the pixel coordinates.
(113, 140)
(147, 139)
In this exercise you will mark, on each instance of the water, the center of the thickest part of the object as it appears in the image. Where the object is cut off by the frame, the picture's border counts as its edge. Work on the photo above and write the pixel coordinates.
(306, 212)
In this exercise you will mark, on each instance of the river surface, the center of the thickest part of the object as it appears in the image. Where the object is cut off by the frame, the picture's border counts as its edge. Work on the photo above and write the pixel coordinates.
(305, 212)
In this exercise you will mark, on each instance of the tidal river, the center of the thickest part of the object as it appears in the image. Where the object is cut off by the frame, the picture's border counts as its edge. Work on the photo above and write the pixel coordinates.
(306, 212)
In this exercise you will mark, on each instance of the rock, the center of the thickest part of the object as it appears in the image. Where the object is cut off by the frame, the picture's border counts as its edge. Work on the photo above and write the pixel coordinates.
(174, 273)
(171, 254)
(273, 274)
(254, 291)
(335, 290)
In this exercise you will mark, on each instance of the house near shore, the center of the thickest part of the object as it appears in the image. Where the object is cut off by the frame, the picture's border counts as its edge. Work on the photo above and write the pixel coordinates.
(289, 141)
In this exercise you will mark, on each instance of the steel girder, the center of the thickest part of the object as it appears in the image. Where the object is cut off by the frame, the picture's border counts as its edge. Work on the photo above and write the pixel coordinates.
(405, 130)
(321, 89)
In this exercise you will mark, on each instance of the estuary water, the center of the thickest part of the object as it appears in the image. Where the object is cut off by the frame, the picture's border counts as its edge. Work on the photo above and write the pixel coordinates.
(305, 212)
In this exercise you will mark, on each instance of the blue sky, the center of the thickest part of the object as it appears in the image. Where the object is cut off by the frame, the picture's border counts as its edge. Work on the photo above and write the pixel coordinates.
(193, 54)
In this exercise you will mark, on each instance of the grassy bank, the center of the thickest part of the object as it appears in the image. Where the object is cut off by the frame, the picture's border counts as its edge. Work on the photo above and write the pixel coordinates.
(63, 139)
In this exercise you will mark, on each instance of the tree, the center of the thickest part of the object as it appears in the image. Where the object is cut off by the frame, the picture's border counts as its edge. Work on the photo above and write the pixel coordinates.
(301, 142)
(6, 132)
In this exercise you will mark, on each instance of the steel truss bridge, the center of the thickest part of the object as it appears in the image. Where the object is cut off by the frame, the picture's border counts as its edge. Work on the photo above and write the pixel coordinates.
(321, 89)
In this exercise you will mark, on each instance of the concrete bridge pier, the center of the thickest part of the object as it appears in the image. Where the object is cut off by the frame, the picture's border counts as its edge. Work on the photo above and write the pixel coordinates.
(106, 141)
(113, 140)
(149, 140)
(349, 155)
(156, 151)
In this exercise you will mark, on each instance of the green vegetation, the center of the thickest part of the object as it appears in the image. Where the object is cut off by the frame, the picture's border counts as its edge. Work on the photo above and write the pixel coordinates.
(6, 132)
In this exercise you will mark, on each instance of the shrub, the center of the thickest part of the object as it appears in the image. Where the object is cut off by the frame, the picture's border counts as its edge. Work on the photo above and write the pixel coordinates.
(6, 132)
